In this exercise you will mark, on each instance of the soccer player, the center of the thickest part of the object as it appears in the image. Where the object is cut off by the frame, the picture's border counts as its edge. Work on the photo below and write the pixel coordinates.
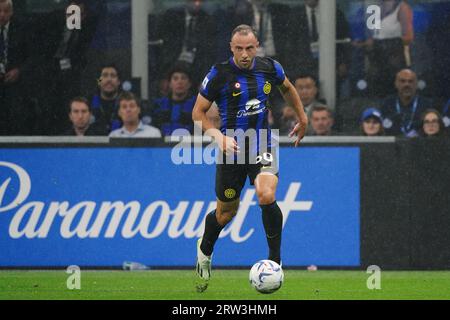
(241, 87)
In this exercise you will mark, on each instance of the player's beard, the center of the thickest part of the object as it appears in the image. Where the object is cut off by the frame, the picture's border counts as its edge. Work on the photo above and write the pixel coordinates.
(245, 64)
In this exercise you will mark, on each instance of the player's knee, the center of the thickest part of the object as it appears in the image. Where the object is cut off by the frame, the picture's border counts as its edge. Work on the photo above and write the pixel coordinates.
(224, 217)
(266, 196)
(225, 212)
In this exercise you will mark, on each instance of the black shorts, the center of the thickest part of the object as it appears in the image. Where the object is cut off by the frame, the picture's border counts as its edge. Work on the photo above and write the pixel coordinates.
(230, 178)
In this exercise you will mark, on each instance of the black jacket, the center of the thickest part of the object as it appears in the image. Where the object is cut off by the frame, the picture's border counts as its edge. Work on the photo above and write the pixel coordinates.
(172, 29)
(303, 40)
(49, 32)
(17, 45)
(394, 121)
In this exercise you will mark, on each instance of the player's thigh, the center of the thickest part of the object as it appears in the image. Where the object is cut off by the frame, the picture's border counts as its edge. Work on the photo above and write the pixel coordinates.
(230, 179)
(266, 186)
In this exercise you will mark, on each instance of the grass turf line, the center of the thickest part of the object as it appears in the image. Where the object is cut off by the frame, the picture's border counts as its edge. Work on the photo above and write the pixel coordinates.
(224, 285)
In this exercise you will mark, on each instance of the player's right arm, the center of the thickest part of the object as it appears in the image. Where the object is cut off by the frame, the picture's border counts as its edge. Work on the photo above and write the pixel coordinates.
(226, 144)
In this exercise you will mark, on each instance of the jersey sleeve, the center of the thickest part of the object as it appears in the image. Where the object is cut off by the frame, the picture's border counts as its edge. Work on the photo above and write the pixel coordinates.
(210, 88)
(280, 75)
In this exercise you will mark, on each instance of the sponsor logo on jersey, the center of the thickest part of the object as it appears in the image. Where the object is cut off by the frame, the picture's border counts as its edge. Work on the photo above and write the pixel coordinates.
(252, 107)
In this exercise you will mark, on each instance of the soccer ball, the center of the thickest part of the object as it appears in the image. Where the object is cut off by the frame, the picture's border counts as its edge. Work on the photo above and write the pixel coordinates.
(266, 276)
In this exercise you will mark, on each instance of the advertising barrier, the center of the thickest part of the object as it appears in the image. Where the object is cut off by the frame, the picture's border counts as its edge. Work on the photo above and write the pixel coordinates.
(91, 206)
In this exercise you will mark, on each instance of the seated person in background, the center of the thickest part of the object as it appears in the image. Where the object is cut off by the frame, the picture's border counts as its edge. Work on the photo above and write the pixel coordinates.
(105, 104)
(321, 121)
(175, 111)
(432, 124)
(80, 114)
(129, 112)
(372, 123)
(308, 91)
(401, 112)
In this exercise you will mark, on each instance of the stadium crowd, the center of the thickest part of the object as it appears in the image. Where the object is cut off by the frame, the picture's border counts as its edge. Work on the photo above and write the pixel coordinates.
(379, 91)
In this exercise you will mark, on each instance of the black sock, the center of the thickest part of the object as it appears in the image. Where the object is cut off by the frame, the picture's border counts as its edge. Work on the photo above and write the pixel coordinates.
(273, 225)
(211, 234)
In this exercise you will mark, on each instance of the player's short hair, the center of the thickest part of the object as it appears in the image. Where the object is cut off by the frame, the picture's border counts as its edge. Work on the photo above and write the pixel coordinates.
(320, 108)
(244, 29)
(129, 96)
(79, 99)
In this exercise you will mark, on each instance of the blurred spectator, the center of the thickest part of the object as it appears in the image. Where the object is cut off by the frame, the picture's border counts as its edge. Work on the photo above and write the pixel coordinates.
(272, 24)
(13, 55)
(175, 111)
(188, 35)
(372, 123)
(432, 124)
(129, 112)
(80, 113)
(307, 18)
(446, 115)
(321, 121)
(60, 59)
(388, 47)
(105, 104)
(308, 91)
(401, 112)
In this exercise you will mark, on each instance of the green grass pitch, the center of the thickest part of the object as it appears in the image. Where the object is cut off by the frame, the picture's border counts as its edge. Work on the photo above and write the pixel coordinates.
(225, 285)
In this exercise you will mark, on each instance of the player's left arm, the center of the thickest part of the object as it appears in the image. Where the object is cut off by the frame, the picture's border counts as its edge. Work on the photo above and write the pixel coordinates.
(292, 98)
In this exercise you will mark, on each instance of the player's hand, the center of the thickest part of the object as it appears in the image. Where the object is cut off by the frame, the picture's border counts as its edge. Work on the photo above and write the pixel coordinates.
(298, 131)
(228, 145)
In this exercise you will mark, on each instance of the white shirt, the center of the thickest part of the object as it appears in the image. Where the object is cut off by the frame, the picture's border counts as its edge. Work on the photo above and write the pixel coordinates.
(142, 131)
(390, 26)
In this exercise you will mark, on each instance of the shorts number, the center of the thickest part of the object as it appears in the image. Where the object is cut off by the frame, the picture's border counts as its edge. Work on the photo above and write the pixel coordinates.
(267, 157)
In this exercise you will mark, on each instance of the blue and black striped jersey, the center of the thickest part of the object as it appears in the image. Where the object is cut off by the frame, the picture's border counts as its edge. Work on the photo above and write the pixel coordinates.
(242, 95)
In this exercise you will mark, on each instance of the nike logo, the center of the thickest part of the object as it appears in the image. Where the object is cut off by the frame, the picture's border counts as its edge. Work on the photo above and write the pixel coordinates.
(237, 94)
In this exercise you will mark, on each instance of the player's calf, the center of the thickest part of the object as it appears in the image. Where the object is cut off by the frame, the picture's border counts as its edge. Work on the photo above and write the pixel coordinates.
(273, 224)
